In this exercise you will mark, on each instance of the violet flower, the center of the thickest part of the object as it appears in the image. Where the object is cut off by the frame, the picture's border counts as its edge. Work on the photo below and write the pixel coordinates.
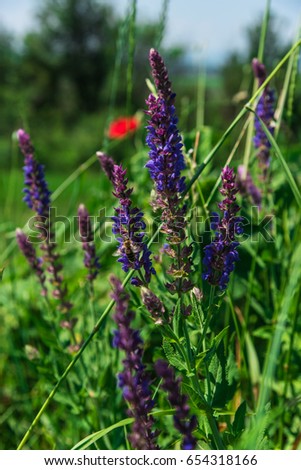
(265, 110)
(91, 261)
(166, 162)
(182, 421)
(107, 164)
(37, 194)
(134, 380)
(154, 305)
(221, 254)
(247, 187)
(29, 252)
(129, 225)
(37, 197)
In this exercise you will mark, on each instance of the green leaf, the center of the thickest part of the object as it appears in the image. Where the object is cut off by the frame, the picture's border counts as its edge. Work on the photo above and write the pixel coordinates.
(89, 440)
(253, 361)
(239, 420)
(218, 377)
(215, 344)
(172, 356)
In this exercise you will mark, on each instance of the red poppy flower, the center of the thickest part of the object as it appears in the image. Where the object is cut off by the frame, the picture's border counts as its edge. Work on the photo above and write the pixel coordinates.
(122, 126)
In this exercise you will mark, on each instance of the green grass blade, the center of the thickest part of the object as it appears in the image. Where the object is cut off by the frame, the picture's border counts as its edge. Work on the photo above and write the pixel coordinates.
(162, 24)
(288, 89)
(293, 79)
(131, 53)
(275, 343)
(262, 39)
(264, 29)
(89, 440)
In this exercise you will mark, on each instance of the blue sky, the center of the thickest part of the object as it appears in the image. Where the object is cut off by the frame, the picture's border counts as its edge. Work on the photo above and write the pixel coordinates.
(210, 28)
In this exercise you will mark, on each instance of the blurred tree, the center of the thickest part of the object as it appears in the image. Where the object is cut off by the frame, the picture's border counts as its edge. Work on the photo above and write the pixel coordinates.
(68, 58)
(9, 63)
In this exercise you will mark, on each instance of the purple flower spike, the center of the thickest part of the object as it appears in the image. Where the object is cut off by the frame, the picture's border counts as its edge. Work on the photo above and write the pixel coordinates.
(91, 261)
(107, 164)
(166, 163)
(166, 160)
(182, 422)
(221, 254)
(30, 254)
(129, 227)
(265, 110)
(247, 187)
(37, 197)
(134, 380)
(37, 194)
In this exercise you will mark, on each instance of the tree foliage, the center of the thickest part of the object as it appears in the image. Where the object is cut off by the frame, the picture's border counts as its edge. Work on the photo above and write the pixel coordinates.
(68, 58)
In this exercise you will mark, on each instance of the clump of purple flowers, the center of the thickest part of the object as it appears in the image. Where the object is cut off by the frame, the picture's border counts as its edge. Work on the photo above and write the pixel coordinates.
(133, 380)
(221, 254)
(129, 226)
(265, 110)
(182, 421)
(91, 260)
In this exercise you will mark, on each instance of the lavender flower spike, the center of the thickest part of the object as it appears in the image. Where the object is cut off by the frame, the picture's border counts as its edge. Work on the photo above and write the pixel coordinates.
(129, 225)
(247, 187)
(221, 254)
(106, 163)
(134, 380)
(166, 160)
(91, 261)
(30, 254)
(182, 422)
(265, 110)
(37, 194)
(37, 197)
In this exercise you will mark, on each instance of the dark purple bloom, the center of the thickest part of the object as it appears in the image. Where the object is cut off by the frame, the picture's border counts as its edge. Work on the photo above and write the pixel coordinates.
(265, 110)
(166, 160)
(37, 194)
(30, 254)
(182, 421)
(134, 380)
(153, 305)
(91, 261)
(221, 254)
(107, 164)
(37, 197)
(129, 226)
(247, 187)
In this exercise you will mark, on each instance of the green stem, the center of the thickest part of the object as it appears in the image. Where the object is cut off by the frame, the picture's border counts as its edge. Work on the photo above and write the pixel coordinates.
(249, 140)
